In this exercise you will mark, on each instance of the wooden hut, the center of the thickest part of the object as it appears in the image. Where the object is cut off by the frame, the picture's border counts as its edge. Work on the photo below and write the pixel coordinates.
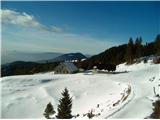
(66, 68)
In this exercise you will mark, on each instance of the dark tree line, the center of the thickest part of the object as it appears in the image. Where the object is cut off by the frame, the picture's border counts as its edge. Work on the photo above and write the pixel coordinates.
(109, 67)
(124, 53)
(134, 50)
(22, 68)
(114, 55)
(137, 49)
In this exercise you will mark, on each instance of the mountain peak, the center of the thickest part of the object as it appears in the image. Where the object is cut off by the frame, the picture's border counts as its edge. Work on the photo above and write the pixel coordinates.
(68, 57)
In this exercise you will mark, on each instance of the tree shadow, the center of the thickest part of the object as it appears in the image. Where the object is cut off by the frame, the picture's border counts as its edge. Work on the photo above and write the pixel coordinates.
(106, 72)
(121, 72)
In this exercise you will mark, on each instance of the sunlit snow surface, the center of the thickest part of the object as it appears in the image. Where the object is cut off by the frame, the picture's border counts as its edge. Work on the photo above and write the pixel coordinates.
(106, 95)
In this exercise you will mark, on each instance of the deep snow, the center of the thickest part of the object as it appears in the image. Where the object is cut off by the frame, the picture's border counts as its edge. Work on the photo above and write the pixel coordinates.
(107, 95)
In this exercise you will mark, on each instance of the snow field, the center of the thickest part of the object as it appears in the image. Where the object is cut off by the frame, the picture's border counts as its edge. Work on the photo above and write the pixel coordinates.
(26, 96)
(126, 94)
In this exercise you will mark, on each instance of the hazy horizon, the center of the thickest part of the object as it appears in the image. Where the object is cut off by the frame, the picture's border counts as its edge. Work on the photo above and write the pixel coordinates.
(86, 27)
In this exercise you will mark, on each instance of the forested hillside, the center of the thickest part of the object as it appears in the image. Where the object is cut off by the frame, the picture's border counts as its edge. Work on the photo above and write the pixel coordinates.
(124, 53)
(23, 68)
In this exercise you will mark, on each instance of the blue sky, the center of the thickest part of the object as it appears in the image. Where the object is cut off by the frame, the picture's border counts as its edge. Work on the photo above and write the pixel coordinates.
(87, 27)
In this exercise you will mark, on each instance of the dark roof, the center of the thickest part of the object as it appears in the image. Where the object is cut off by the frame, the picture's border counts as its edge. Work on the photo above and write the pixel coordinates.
(70, 66)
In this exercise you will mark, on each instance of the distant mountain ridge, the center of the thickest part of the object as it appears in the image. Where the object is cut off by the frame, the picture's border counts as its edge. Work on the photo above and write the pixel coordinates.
(13, 56)
(66, 57)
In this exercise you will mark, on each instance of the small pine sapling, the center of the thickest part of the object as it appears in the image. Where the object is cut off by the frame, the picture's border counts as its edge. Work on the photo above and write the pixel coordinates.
(49, 111)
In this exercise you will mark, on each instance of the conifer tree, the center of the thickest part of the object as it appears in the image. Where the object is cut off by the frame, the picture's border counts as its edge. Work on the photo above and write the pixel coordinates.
(129, 52)
(65, 106)
(157, 45)
(138, 48)
(49, 111)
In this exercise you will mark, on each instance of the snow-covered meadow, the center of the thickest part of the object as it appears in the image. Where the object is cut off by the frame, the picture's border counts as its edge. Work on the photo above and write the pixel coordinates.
(126, 94)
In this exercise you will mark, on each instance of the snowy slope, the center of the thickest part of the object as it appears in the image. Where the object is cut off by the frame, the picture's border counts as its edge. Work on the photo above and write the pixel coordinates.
(121, 95)
(143, 78)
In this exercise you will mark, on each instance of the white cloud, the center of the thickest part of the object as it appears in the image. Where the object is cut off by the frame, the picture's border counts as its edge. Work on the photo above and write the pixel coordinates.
(12, 17)
(56, 29)
(27, 40)
(39, 39)
(25, 20)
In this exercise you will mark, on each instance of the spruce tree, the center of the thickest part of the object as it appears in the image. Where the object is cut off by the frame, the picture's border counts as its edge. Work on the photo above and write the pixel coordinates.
(49, 111)
(138, 48)
(65, 106)
(157, 45)
(129, 52)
